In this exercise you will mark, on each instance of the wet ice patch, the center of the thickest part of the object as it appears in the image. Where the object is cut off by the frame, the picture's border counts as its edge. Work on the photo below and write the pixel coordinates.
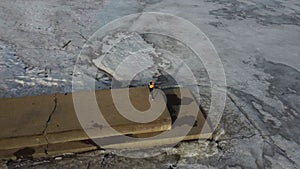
(19, 79)
(267, 116)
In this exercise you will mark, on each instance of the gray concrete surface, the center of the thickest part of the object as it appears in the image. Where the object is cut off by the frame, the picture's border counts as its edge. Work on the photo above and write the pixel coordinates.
(258, 43)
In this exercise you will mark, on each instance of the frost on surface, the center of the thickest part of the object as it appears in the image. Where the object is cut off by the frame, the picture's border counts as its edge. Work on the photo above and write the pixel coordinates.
(129, 56)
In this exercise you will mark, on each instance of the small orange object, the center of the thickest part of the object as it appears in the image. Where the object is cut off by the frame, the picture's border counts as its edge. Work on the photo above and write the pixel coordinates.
(151, 84)
(151, 88)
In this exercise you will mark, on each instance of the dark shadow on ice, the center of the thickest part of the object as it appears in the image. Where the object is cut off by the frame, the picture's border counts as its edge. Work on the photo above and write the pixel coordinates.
(173, 104)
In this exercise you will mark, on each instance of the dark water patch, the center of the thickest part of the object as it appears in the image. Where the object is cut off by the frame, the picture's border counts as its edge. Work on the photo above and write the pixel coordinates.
(283, 19)
(289, 129)
(151, 2)
(236, 10)
(24, 153)
(216, 24)
(284, 84)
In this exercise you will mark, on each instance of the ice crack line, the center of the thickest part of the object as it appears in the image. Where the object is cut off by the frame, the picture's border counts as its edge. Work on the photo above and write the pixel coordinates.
(266, 138)
(247, 117)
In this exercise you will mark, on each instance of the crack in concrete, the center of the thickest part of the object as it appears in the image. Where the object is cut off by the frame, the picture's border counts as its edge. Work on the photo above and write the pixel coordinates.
(50, 116)
(47, 123)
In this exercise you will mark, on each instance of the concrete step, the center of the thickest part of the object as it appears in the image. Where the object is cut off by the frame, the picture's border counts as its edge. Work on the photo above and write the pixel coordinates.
(113, 142)
(39, 120)
(62, 133)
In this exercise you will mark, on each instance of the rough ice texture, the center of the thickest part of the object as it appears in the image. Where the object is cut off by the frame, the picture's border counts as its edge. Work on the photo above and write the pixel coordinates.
(258, 43)
(126, 57)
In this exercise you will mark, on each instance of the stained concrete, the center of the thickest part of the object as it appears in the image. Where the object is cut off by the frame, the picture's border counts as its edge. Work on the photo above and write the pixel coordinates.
(58, 122)
(14, 115)
(66, 138)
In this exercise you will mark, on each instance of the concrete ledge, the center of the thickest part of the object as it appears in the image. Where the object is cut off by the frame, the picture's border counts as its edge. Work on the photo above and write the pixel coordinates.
(49, 119)
(47, 150)
(25, 116)
(196, 133)
(64, 117)
(57, 129)
(20, 142)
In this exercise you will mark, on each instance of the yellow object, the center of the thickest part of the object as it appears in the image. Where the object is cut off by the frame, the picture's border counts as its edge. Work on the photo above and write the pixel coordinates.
(151, 85)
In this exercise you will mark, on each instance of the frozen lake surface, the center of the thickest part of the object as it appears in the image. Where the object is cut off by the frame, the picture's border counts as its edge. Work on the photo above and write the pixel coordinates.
(258, 44)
